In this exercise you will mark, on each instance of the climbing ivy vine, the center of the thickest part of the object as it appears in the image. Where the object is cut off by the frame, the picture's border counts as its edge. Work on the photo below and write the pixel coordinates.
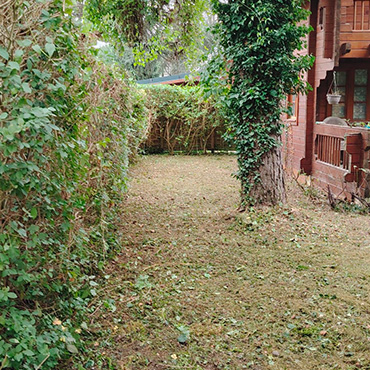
(256, 65)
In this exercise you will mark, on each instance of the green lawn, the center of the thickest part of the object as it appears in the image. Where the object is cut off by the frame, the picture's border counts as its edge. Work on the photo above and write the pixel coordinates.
(200, 286)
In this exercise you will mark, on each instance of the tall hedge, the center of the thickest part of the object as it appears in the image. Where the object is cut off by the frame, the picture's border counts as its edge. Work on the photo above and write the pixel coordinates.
(180, 118)
(68, 127)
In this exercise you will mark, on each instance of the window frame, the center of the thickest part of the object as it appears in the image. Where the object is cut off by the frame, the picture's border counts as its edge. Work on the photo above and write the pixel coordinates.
(291, 101)
(362, 16)
(350, 91)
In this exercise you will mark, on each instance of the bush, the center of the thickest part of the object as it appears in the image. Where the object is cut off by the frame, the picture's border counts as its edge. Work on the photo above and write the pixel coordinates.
(180, 118)
(68, 127)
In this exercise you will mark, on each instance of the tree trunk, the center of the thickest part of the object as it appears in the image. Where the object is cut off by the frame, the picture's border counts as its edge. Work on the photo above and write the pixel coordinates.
(270, 189)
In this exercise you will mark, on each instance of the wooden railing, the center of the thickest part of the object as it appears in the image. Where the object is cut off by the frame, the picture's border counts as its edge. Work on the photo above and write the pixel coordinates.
(341, 153)
(361, 15)
(330, 149)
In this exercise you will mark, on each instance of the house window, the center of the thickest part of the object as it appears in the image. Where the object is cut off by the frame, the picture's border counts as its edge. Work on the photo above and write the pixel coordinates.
(322, 18)
(339, 110)
(353, 85)
(361, 15)
(360, 94)
(293, 105)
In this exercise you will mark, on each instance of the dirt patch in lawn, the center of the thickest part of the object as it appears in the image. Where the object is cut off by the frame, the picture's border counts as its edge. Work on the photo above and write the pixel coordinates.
(200, 286)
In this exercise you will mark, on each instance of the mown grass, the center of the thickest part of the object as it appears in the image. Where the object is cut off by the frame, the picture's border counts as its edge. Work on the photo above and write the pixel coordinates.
(200, 286)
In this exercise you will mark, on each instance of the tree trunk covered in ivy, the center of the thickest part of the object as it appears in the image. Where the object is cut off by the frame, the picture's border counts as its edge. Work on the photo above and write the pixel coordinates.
(271, 186)
(259, 67)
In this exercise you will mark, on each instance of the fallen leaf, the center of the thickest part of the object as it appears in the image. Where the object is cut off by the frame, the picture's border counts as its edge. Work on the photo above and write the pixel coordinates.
(57, 322)
(72, 348)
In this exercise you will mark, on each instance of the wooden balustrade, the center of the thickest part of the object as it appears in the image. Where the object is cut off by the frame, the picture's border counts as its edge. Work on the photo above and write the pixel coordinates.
(330, 149)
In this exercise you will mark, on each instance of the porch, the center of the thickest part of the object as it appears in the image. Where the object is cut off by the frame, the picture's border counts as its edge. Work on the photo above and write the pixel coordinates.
(341, 159)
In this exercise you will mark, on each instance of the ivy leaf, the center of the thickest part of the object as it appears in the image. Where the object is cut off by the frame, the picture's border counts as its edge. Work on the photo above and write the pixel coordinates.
(142, 282)
(72, 348)
(18, 54)
(40, 112)
(26, 88)
(3, 115)
(34, 213)
(84, 326)
(182, 338)
(24, 43)
(22, 232)
(86, 28)
(14, 65)
(18, 357)
(10, 131)
(50, 48)
(4, 53)
(37, 48)
(28, 352)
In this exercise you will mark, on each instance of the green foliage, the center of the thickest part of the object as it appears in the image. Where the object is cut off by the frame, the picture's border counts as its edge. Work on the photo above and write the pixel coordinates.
(68, 127)
(184, 336)
(181, 118)
(126, 60)
(255, 67)
(151, 29)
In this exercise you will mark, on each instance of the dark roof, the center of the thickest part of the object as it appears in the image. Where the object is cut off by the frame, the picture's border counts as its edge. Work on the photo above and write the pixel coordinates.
(165, 80)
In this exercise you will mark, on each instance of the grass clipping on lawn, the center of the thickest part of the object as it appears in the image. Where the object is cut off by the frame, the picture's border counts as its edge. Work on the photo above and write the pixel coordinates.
(200, 286)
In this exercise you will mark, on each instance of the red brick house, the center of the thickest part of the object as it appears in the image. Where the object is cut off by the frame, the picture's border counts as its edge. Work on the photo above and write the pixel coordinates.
(334, 155)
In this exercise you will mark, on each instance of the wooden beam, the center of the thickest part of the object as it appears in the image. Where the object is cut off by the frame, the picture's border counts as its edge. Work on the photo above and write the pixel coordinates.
(345, 48)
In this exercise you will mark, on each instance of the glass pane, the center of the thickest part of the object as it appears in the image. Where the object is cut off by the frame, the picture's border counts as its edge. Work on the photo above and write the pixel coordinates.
(341, 78)
(361, 77)
(359, 111)
(360, 94)
(339, 110)
(342, 92)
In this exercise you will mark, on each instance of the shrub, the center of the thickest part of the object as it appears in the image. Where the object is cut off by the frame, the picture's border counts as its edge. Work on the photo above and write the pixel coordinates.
(180, 118)
(68, 127)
